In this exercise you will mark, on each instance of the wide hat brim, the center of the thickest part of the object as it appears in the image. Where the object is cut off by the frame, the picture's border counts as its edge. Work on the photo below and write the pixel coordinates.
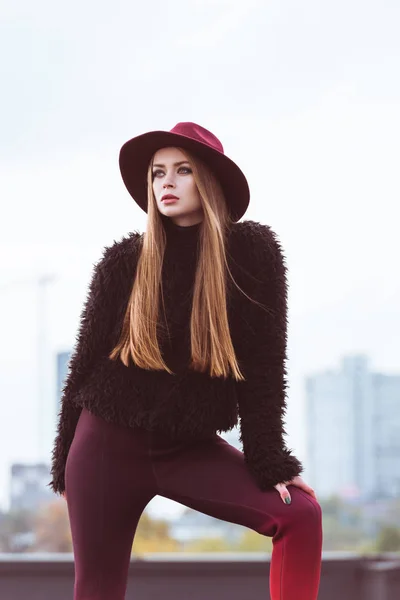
(135, 156)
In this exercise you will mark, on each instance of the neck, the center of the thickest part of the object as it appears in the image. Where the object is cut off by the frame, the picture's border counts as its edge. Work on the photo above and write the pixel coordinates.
(181, 237)
(169, 221)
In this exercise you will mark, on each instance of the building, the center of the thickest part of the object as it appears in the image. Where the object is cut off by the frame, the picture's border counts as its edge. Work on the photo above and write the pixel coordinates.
(193, 525)
(62, 371)
(386, 399)
(353, 431)
(29, 486)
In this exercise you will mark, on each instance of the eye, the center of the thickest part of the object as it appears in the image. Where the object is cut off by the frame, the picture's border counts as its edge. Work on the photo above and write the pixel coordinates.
(156, 171)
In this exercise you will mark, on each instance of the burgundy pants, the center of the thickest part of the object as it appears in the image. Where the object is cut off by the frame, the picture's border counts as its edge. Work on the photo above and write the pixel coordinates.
(113, 472)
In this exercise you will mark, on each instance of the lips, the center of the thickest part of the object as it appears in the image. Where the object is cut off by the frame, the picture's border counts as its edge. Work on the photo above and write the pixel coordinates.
(169, 197)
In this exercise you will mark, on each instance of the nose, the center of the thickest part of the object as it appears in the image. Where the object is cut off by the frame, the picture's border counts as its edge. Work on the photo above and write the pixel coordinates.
(167, 184)
(169, 181)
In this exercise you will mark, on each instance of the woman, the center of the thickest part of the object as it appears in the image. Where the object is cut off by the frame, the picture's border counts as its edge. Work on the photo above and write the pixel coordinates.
(182, 335)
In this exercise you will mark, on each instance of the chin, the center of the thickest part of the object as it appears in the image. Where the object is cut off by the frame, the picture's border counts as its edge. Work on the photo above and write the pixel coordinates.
(173, 209)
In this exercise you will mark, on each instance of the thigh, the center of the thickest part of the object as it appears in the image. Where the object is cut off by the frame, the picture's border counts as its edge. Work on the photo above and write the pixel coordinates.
(211, 477)
(108, 485)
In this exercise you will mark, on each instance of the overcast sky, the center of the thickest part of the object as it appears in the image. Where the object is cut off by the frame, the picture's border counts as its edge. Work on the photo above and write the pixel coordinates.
(304, 97)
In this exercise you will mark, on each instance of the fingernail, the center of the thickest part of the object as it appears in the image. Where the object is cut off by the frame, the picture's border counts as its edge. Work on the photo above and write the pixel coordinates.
(288, 500)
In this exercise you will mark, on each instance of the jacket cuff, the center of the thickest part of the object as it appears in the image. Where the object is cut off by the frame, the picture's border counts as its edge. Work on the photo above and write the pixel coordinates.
(274, 469)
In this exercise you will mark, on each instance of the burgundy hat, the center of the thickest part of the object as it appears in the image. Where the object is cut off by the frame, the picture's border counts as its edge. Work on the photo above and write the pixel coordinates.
(135, 156)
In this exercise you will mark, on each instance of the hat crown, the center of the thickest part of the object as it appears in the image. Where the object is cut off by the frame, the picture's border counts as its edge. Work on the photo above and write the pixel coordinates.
(199, 134)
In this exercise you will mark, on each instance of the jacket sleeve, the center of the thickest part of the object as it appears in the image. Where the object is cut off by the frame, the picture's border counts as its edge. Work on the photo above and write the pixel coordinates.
(92, 342)
(262, 397)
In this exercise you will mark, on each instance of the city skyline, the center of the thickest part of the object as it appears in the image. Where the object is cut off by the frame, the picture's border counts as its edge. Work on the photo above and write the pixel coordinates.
(333, 379)
(353, 430)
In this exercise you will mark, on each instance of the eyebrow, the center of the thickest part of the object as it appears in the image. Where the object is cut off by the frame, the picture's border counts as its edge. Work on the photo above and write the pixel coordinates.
(175, 164)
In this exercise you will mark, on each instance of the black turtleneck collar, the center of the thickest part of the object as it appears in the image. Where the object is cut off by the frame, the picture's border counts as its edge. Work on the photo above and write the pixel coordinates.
(179, 236)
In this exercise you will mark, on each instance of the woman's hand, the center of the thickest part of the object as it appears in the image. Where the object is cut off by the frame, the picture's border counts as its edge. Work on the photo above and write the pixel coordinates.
(297, 481)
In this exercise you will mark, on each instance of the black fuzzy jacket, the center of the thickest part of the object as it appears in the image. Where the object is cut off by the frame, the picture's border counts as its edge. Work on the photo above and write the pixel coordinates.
(188, 404)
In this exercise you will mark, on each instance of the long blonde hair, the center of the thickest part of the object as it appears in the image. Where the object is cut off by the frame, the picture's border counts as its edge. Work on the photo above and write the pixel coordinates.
(211, 344)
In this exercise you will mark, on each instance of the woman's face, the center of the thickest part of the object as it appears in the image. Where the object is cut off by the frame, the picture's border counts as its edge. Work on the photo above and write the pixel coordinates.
(172, 174)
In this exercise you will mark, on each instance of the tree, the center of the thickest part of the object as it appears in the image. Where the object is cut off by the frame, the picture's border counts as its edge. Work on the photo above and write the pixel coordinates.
(388, 539)
(153, 535)
(252, 541)
(13, 526)
(215, 544)
(52, 528)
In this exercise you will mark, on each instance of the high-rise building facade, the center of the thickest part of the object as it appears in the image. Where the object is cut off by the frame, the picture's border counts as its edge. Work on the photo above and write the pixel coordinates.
(386, 399)
(62, 371)
(353, 431)
(29, 486)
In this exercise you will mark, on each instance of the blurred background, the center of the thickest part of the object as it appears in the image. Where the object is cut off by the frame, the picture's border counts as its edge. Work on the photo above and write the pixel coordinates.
(305, 98)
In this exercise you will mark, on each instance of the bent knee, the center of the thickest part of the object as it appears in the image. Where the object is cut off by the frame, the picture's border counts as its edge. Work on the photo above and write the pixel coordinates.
(307, 507)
